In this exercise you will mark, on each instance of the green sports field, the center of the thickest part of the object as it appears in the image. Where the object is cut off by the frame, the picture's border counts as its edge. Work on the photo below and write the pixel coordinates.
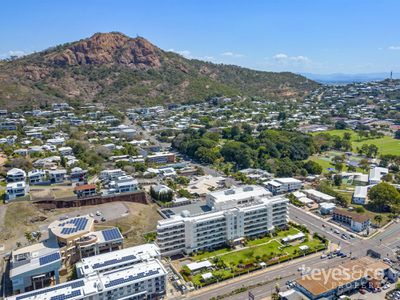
(386, 144)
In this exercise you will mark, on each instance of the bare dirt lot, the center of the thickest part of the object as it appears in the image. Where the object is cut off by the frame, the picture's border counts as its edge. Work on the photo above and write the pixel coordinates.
(133, 219)
(142, 218)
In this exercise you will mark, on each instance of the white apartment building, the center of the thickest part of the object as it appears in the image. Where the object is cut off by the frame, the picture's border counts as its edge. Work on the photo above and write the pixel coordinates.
(133, 273)
(284, 185)
(255, 214)
(105, 262)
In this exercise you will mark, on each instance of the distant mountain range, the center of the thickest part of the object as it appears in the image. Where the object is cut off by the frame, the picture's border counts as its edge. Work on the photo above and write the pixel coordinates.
(115, 69)
(340, 78)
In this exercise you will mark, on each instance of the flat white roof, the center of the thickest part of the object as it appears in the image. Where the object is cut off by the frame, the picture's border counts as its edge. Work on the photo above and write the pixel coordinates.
(239, 193)
(99, 283)
(318, 194)
(360, 192)
(287, 180)
(199, 265)
(112, 259)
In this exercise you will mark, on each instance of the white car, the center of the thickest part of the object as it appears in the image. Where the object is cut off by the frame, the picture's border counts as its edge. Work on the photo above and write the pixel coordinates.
(98, 213)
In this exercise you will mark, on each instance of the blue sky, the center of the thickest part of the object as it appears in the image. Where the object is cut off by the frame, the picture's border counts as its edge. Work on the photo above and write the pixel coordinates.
(324, 36)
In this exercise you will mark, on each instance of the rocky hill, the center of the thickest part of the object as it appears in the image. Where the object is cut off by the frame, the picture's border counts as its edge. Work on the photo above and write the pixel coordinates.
(115, 69)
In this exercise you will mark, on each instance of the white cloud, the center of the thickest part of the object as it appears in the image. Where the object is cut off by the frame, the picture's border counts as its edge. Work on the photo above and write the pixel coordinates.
(189, 55)
(394, 48)
(232, 54)
(184, 53)
(283, 58)
(207, 58)
(17, 53)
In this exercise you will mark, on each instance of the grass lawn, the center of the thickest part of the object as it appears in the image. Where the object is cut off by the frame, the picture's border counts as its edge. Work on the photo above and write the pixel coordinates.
(269, 250)
(250, 243)
(211, 253)
(323, 162)
(386, 144)
(280, 234)
(251, 253)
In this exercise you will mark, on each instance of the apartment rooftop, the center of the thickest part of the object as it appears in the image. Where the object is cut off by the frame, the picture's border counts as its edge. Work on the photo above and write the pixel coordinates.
(239, 193)
(215, 214)
(102, 282)
(127, 256)
(34, 256)
(72, 226)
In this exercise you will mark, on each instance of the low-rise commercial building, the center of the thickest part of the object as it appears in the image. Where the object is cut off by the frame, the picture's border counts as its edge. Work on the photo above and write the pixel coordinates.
(357, 222)
(283, 185)
(318, 196)
(360, 195)
(342, 279)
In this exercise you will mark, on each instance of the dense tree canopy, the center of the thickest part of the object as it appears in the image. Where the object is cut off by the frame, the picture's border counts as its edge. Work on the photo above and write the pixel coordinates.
(280, 151)
(384, 196)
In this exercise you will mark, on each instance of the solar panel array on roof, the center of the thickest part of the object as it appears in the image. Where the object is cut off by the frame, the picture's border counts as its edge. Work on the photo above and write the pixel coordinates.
(114, 261)
(73, 285)
(140, 275)
(66, 296)
(49, 258)
(79, 223)
(111, 234)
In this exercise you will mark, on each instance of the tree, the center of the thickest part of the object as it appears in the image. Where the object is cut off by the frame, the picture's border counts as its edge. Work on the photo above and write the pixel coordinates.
(372, 150)
(397, 134)
(28, 237)
(364, 164)
(383, 196)
(340, 125)
(347, 136)
(337, 180)
(378, 219)
(339, 167)
(312, 167)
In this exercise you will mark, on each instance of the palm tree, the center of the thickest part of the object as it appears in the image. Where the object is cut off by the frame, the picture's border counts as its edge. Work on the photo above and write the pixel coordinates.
(38, 236)
(28, 237)
(378, 219)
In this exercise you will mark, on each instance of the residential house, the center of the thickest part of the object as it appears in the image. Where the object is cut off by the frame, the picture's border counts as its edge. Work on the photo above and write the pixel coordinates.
(15, 190)
(37, 176)
(85, 190)
(57, 176)
(16, 175)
